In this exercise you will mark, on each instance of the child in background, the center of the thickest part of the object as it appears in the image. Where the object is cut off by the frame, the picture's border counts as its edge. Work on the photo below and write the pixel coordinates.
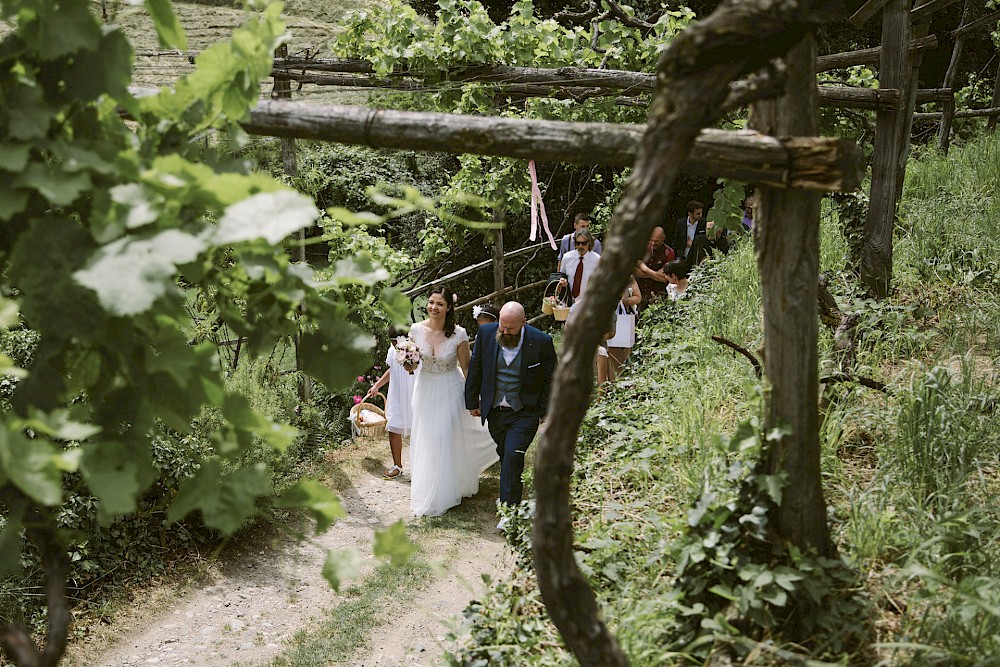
(398, 413)
(677, 277)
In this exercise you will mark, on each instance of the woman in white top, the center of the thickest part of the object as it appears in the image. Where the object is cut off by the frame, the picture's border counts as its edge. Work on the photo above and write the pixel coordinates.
(398, 409)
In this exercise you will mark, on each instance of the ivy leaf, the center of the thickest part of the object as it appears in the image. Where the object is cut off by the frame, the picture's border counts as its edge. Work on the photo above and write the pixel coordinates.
(394, 543)
(336, 354)
(32, 465)
(317, 499)
(116, 475)
(168, 26)
(129, 275)
(225, 501)
(268, 215)
(340, 565)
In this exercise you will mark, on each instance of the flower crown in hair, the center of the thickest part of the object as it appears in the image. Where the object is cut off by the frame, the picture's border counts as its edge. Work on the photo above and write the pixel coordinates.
(477, 311)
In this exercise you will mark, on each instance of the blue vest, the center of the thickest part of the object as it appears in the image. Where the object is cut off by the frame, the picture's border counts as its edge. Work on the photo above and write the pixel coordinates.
(508, 380)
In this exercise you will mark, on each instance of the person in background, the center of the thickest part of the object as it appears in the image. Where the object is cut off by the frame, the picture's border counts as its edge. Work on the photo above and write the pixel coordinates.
(651, 281)
(677, 275)
(398, 414)
(620, 345)
(579, 265)
(484, 314)
(747, 204)
(580, 223)
(693, 236)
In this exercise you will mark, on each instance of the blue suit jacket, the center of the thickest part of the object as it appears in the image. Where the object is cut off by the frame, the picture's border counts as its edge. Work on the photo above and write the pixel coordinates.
(538, 364)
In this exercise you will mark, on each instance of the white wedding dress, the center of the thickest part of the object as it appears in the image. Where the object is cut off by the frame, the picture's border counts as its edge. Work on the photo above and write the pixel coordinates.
(449, 448)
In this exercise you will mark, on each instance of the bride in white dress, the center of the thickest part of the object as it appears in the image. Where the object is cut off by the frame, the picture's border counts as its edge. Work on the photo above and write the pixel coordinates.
(448, 447)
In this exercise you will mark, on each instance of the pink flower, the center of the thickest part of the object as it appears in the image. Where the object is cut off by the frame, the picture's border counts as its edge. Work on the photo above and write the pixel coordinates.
(361, 378)
(357, 399)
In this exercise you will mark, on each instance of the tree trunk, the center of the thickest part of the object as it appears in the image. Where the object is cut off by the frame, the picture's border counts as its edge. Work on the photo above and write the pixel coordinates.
(876, 251)
(497, 252)
(786, 224)
(995, 103)
(950, 78)
(696, 69)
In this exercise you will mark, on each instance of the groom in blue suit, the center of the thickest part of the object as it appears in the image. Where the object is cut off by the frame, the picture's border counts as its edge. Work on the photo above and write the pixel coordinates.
(510, 375)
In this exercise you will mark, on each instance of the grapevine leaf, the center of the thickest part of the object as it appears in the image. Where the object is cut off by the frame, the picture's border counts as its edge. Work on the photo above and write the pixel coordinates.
(317, 499)
(53, 183)
(395, 304)
(226, 501)
(8, 313)
(128, 275)
(168, 26)
(238, 412)
(59, 426)
(14, 157)
(268, 215)
(358, 270)
(394, 543)
(105, 70)
(115, 474)
(336, 354)
(66, 31)
(29, 116)
(32, 465)
(340, 565)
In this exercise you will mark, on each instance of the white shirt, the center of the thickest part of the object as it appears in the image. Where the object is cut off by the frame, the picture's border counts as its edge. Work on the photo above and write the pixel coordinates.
(692, 226)
(567, 246)
(570, 262)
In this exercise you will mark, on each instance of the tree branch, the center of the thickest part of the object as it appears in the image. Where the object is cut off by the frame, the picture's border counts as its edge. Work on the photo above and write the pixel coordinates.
(864, 381)
(758, 370)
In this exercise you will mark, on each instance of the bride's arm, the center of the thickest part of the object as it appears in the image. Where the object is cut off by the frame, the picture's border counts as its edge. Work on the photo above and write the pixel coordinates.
(463, 357)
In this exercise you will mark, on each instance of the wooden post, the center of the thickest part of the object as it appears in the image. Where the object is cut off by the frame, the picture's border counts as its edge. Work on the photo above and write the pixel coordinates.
(992, 122)
(876, 250)
(786, 226)
(289, 161)
(950, 78)
(497, 250)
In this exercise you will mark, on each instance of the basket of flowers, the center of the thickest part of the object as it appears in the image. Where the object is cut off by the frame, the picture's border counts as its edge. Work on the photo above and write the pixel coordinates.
(551, 299)
(368, 419)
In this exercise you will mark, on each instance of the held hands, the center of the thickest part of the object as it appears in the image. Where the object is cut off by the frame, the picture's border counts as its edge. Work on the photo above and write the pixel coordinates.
(475, 413)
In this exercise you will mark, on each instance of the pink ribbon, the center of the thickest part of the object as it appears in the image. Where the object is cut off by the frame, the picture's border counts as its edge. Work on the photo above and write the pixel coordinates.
(537, 205)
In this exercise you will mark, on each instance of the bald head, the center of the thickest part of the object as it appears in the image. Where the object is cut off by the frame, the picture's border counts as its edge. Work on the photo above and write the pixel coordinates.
(511, 322)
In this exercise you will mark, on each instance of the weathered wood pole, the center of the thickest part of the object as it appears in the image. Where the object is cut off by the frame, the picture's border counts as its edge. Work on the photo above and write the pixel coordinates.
(497, 251)
(290, 164)
(786, 226)
(876, 249)
(992, 122)
(950, 78)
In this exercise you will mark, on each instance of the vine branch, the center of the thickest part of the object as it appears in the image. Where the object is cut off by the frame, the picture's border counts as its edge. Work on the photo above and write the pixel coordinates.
(758, 370)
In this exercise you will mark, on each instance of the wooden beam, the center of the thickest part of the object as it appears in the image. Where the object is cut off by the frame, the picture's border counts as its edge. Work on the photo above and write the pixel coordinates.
(470, 269)
(991, 112)
(504, 292)
(829, 96)
(868, 56)
(925, 10)
(989, 19)
(867, 11)
(950, 78)
(743, 155)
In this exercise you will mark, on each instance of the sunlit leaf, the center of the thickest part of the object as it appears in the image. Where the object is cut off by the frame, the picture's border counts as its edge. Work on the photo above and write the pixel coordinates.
(340, 565)
(394, 543)
(168, 26)
(268, 215)
(32, 465)
(317, 499)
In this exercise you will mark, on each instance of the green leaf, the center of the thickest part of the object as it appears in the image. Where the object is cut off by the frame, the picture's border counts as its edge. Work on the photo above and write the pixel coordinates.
(225, 501)
(336, 354)
(50, 181)
(237, 411)
(268, 215)
(8, 313)
(358, 270)
(32, 465)
(116, 474)
(29, 115)
(69, 29)
(395, 304)
(317, 499)
(168, 26)
(14, 157)
(59, 426)
(129, 275)
(392, 542)
(341, 565)
(352, 218)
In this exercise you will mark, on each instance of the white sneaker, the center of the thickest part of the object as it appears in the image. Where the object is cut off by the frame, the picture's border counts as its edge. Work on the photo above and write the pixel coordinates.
(502, 525)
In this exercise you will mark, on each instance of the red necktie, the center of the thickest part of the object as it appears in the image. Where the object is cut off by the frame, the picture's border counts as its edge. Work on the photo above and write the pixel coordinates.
(578, 279)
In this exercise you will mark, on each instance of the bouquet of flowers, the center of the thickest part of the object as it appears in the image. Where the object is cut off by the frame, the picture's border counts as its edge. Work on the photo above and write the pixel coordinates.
(554, 301)
(407, 354)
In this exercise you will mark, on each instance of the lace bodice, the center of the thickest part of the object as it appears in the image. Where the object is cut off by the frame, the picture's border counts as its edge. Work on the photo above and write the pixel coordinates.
(445, 358)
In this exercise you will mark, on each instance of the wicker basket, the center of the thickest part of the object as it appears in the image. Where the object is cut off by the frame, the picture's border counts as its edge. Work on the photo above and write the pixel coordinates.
(375, 430)
(548, 308)
(560, 313)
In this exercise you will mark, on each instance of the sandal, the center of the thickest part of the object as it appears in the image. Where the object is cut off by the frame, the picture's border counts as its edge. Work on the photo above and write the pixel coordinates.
(392, 473)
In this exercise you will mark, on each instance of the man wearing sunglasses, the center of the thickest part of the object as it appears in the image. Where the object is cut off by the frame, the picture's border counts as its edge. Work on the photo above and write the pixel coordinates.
(579, 265)
(580, 223)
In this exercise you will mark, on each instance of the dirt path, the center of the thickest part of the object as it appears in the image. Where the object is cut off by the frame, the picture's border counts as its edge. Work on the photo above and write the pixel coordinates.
(252, 606)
